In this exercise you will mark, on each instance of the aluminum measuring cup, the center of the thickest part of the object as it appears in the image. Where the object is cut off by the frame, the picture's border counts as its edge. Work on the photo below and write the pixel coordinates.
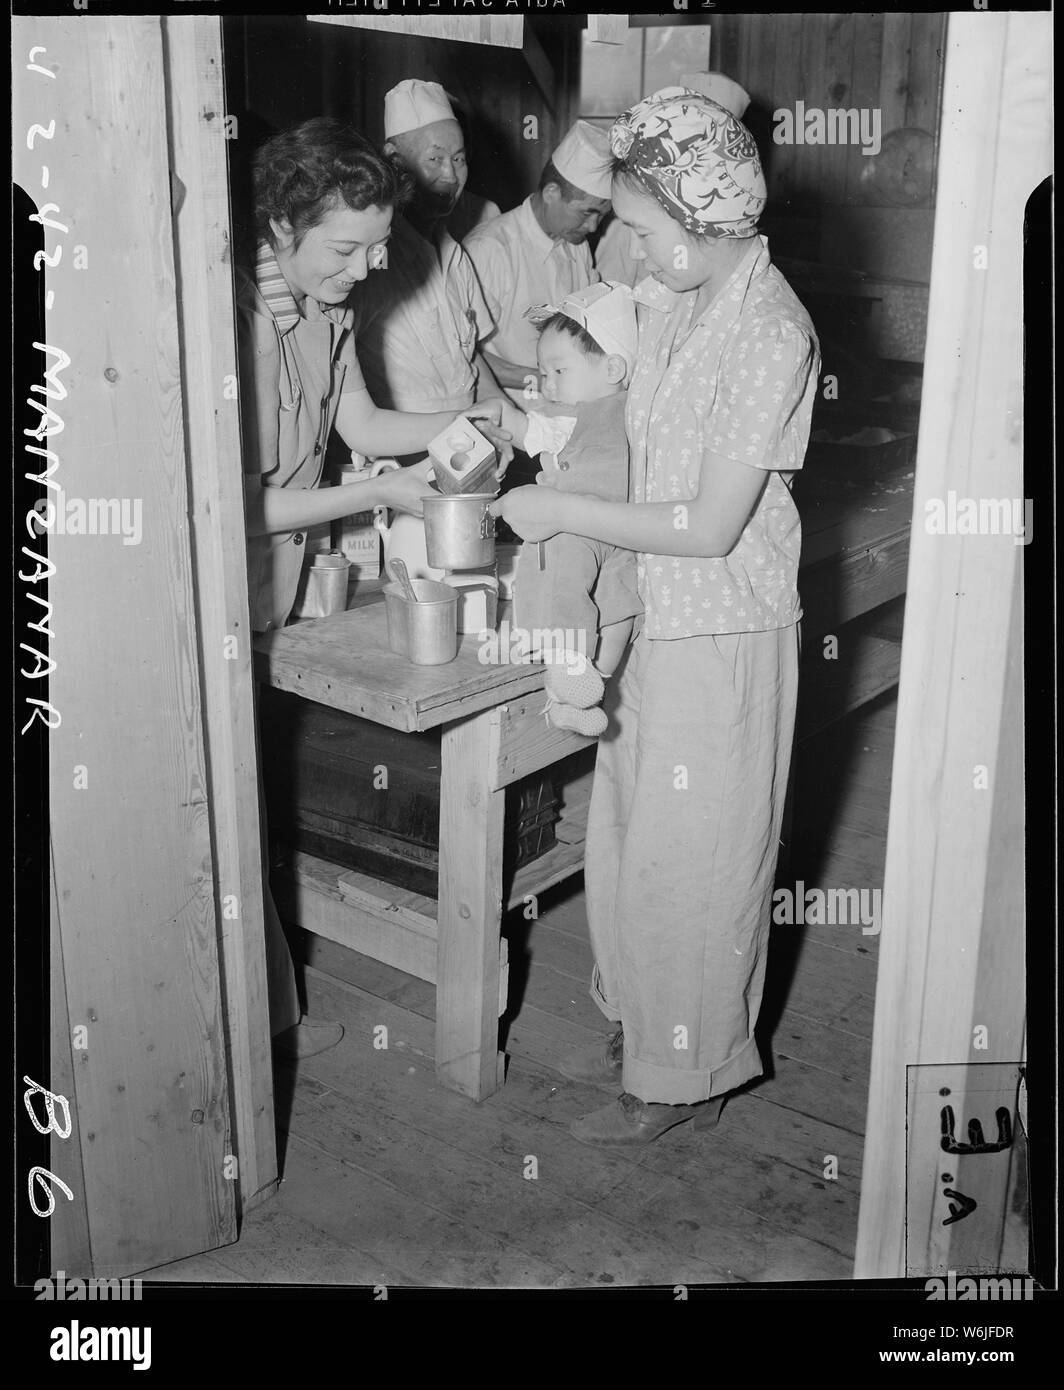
(425, 632)
(327, 583)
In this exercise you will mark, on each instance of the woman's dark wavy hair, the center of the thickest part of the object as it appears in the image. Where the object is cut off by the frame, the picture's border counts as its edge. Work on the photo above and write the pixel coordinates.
(300, 175)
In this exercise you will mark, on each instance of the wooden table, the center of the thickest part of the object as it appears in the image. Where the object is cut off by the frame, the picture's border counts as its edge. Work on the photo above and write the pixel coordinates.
(493, 733)
(854, 558)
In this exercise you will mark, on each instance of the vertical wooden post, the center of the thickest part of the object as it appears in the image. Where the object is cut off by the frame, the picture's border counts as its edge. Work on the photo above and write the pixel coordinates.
(607, 28)
(203, 248)
(952, 896)
(470, 907)
(70, 1246)
(130, 827)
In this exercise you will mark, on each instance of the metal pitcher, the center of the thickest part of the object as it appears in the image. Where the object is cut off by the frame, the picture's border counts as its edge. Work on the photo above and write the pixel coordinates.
(404, 535)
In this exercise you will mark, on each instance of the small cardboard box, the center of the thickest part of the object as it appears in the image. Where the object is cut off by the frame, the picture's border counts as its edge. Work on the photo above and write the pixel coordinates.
(462, 459)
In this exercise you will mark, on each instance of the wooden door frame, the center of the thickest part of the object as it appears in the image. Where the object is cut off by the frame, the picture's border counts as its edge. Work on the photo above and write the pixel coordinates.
(198, 133)
(144, 816)
(167, 983)
(943, 925)
(952, 942)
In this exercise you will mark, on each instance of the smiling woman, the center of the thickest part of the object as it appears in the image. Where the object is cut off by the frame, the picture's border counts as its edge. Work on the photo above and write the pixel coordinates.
(330, 259)
(324, 204)
(323, 212)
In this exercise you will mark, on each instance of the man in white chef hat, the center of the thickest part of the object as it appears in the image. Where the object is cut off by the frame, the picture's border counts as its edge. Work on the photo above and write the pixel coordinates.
(419, 317)
(613, 258)
(538, 253)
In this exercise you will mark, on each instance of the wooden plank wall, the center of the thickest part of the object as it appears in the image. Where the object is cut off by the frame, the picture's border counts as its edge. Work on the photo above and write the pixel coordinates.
(952, 942)
(501, 30)
(134, 887)
(890, 61)
(823, 206)
(203, 250)
(283, 70)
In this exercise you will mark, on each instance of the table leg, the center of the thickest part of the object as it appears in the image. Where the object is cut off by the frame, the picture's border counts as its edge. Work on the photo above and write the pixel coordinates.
(470, 911)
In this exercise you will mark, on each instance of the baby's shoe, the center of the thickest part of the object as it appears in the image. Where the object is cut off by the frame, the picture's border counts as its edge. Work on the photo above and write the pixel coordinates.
(574, 681)
(589, 722)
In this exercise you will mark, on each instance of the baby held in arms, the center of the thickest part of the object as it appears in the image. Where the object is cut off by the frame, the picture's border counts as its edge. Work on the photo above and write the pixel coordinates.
(576, 599)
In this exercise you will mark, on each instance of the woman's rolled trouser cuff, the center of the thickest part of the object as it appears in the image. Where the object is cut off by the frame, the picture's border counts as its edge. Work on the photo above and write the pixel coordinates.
(673, 1086)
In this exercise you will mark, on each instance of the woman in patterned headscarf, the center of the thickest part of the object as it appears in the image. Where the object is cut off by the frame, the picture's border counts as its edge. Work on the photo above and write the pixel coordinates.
(687, 805)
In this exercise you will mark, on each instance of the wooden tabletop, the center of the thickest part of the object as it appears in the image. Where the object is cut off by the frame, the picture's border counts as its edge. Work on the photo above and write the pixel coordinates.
(345, 662)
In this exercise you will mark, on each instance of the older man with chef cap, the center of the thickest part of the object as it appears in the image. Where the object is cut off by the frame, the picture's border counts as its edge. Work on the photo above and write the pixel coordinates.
(420, 316)
(538, 253)
(613, 258)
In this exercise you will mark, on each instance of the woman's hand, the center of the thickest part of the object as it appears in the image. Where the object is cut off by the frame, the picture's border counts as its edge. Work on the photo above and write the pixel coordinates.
(405, 487)
(488, 417)
(535, 513)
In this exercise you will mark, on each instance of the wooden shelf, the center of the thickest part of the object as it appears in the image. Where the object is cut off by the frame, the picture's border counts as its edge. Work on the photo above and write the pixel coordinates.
(399, 927)
(392, 906)
(856, 523)
(868, 664)
(843, 587)
(555, 866)
(376, 919)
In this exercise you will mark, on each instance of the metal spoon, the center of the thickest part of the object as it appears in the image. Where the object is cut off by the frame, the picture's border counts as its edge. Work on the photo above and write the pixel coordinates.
(398, 571)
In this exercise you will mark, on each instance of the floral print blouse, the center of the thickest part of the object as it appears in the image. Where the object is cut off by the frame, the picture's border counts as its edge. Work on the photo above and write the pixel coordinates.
(738, 382)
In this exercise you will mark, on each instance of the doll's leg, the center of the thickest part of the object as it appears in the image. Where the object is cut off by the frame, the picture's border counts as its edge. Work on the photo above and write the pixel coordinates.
(575, 690)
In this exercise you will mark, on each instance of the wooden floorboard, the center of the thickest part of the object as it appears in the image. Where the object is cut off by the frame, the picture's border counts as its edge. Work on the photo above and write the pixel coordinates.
(545, 943)
(422, 1244)
(868, 820)
(390, 1179)
(277, 1247)
(574, 1239)
(865, 800)
(849, 865)
(855, 943)
(201, 1270)
(530, 1117)
(813, 1093)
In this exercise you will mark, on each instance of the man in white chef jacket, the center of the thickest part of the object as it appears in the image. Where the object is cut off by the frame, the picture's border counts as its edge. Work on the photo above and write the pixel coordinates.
(613, 257)
(420, 316)
(471, 211)
(538, 253)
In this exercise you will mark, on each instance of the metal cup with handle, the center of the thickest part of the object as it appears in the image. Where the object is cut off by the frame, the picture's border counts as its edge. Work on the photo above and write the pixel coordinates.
(460, 531)
(425, 631)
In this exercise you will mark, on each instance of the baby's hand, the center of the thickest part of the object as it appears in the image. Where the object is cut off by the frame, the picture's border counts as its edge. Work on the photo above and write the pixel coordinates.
(531, 513)
(489, 419)
(547, 479)
(513, 418)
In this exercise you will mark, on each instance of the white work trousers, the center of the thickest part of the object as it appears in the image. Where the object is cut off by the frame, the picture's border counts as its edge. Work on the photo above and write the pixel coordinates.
(682, 840)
